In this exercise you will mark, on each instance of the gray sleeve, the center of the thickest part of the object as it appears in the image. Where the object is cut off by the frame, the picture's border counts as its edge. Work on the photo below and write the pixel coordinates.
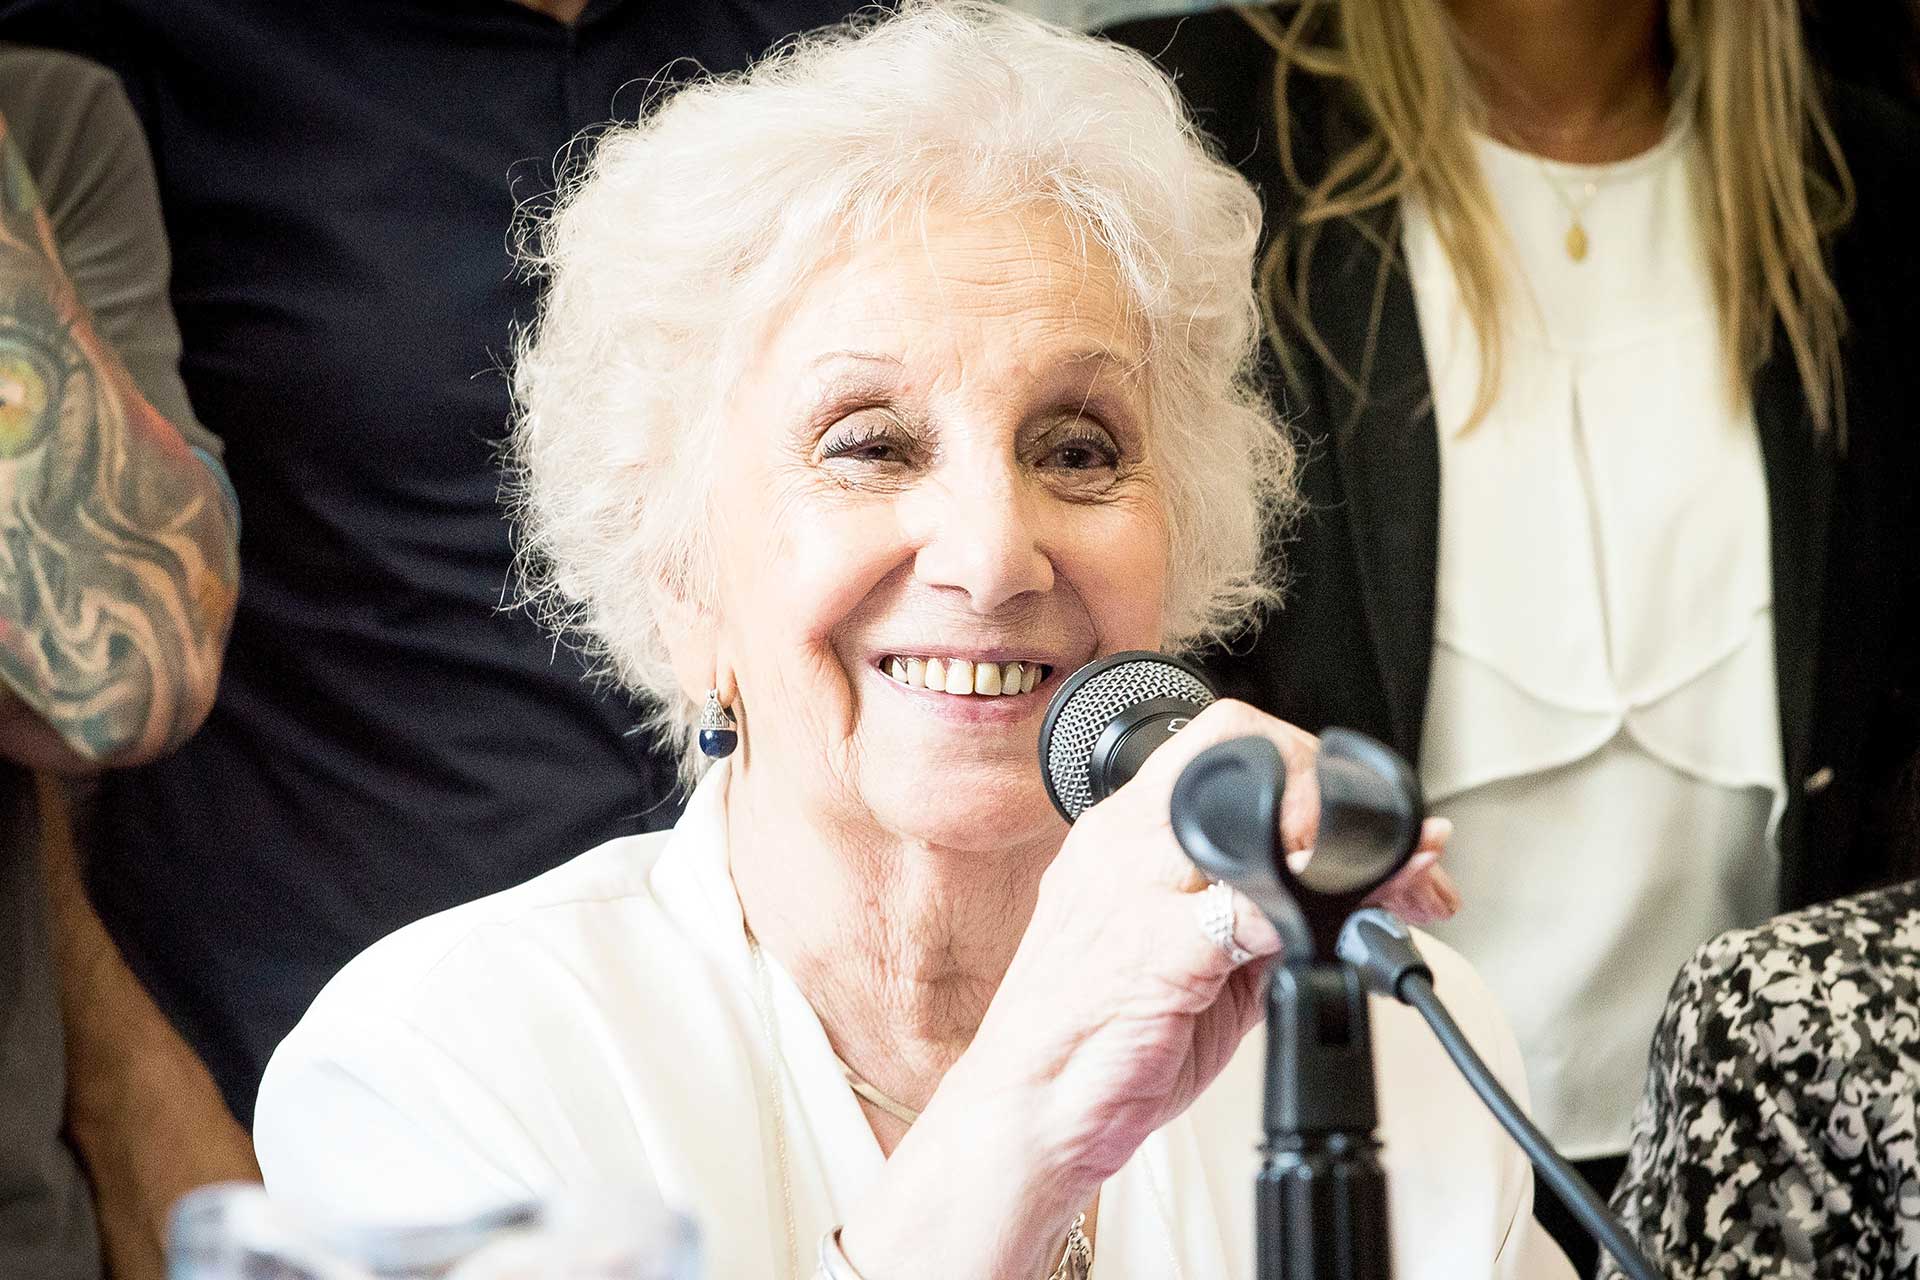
(84, 147)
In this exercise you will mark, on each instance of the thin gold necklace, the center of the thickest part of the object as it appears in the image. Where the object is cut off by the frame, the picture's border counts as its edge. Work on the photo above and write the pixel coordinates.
(1076, 1261)
(871, 1092)
(763, 1003)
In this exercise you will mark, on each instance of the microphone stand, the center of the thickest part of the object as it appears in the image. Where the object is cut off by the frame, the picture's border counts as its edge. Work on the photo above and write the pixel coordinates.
(1320, 1198)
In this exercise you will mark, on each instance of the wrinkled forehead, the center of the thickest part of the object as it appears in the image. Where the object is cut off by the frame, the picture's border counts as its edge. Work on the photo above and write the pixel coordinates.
(1024, 282)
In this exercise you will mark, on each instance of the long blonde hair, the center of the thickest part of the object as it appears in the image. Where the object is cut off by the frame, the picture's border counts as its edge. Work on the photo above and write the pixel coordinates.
(1767, 209)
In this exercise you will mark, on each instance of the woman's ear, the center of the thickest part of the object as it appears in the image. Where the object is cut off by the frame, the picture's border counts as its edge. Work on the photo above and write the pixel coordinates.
(692, 635)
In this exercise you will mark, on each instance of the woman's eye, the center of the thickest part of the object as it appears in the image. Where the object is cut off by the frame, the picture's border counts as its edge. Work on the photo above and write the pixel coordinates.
(1081, 457)
(870, 451)
(867, 444)
(1089, 450)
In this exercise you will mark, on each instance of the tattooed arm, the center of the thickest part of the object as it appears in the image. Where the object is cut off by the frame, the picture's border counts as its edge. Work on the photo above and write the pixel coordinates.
(118, 568)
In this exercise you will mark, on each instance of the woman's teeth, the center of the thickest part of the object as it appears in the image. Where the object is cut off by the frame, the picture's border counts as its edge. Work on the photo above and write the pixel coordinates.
(958, 675)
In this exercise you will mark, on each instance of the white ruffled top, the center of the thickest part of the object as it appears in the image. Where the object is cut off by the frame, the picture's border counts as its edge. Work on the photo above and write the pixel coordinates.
(1602, 723)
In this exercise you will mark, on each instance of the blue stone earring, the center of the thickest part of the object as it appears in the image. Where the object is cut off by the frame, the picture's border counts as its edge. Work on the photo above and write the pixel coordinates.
(718, 737)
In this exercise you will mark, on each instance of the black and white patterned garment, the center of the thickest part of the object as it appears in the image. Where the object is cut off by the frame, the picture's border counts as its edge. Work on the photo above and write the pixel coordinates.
(1777, 1134)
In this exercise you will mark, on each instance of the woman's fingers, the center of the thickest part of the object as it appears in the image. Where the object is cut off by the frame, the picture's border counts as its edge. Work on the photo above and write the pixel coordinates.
(1237, 931)
(1224, 721)
(1445, 902)
(1421, 892)
(1300, 802)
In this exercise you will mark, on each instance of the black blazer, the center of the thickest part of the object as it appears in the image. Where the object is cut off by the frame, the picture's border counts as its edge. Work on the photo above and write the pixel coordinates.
(1352, 645)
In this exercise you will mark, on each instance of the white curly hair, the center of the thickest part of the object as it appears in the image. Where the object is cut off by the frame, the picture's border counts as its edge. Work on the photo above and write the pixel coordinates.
(676, 240)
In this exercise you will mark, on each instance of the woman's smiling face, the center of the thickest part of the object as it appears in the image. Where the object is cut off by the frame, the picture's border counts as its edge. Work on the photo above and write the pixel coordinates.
(936, 473)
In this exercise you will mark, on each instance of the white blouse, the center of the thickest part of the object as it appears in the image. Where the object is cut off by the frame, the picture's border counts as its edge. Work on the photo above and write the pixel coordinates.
(597, 1028)
(1602, 724)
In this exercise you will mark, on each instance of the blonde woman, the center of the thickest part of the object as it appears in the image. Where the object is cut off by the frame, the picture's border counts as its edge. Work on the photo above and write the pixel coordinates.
(1592, 314)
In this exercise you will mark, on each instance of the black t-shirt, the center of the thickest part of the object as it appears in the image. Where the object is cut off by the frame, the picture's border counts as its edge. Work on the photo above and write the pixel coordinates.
(339, 183)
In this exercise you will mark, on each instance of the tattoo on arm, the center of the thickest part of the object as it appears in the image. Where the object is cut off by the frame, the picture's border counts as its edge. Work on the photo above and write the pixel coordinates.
(118, 568)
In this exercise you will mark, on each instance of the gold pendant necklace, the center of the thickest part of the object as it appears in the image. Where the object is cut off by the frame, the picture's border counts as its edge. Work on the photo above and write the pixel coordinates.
(1576, 240)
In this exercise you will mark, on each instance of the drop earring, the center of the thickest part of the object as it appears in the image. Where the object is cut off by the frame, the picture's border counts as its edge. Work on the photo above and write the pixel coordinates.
(718, 737)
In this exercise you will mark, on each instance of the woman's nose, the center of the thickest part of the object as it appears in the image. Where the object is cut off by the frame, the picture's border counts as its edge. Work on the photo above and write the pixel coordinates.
(981, 536)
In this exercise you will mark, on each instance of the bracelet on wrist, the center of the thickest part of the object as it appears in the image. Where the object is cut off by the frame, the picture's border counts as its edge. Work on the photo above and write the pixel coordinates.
(1076, 1260)
(833, 1259)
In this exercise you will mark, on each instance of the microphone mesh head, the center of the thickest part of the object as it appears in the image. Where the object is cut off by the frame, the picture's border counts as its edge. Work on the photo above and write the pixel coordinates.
(1089, 701)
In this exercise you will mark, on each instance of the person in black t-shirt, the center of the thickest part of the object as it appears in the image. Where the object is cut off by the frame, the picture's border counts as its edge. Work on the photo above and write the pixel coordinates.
(339, 184)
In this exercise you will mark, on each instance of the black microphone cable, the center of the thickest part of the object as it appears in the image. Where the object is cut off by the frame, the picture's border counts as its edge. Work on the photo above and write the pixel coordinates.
(1377, 944)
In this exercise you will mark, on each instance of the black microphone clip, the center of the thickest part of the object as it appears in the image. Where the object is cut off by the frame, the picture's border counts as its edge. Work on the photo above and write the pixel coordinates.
(1225, 813)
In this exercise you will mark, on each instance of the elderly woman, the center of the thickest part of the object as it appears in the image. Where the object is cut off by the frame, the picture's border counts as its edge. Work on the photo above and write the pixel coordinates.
(875, 392)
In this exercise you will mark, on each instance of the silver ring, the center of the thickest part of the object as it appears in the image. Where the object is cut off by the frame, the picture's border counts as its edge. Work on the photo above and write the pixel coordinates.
(1216, 921)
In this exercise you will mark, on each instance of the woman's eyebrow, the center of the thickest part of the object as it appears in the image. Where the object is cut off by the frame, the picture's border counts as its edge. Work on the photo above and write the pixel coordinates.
(827, 359)
(1092, 373)
(839, 382)
(1121, 357)
(835, 376)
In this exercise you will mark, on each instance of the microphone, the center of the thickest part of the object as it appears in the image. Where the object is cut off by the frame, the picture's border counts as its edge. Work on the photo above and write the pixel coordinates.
(1108, 717)
(1321, 1201)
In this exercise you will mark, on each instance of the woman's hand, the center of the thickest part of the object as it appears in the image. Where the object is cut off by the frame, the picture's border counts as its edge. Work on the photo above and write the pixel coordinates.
(1118, 1009)
(1422, 892)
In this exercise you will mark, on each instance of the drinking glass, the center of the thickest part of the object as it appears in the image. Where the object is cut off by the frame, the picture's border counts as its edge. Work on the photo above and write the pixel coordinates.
(234, 1232)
